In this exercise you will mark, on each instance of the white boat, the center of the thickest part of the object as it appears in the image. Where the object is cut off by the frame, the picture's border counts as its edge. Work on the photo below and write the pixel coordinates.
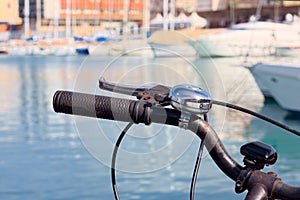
(282, 81)
(106, 49)
(290, 49)
(98, 50)
(170, 44)
(62, 50)
(4, 36)
(252, 38)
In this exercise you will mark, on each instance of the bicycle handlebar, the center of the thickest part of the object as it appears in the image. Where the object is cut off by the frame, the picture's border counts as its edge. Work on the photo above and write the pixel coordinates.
(91, 105)
(260, 185)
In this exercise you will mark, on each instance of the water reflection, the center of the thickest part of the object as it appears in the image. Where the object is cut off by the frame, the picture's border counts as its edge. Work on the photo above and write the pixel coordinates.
(41, 154)
(285, 143)
(33, 116)
(37, 81)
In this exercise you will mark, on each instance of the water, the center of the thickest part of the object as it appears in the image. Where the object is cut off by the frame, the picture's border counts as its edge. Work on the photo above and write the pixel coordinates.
(45, 155)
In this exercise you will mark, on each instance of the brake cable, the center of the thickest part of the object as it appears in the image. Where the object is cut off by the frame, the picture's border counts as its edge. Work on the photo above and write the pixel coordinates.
(113, 160)
(197, 166)
(260, 116)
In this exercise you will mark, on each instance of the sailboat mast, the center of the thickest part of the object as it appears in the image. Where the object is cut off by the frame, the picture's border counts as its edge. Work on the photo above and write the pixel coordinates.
(259, 7)
(146, 19)
(56, 17)
(38, 14)
(26, 18)
(68, 19)
(165, 12)
(125, 17)
(232, 11)
(172, 10)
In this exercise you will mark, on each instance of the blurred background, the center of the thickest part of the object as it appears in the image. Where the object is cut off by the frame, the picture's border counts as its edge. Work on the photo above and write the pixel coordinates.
(243, 52)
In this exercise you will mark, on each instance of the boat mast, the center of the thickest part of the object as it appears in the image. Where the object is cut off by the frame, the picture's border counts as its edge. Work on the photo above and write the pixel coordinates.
(38, 14)
(277, 5)
(125, 18)
(232, 12)
(146, 19)
(56, 17)
(26, 19)
(258, 10)
(110, 13)
(165, 13)
(172, 10)
(73, 19)
(68, 19)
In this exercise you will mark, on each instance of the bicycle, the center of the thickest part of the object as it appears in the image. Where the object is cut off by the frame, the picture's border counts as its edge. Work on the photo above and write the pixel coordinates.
(190, 105)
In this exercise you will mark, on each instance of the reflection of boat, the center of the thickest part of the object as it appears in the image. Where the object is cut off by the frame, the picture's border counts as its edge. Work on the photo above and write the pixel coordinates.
(252, 38)
(170, 43)
(282, 81)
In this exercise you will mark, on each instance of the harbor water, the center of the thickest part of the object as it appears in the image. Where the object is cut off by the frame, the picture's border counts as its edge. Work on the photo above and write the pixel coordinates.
(45, 155)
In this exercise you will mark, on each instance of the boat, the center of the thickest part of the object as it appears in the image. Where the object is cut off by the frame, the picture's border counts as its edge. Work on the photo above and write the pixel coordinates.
(81, 47)
(82, 50)
(3, 50)
(281, 81)
(257, 38)
(170, 44)
(4, 36)
(290, 49)
(105, 49)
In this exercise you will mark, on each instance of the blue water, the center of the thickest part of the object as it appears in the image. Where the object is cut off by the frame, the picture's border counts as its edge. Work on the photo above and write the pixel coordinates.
(45, 155)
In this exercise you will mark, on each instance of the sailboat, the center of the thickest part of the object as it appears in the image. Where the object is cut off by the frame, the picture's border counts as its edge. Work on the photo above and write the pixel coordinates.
(57, 43)
(111, 42)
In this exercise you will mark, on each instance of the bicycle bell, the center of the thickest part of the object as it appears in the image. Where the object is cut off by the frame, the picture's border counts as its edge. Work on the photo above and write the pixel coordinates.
(190, 98)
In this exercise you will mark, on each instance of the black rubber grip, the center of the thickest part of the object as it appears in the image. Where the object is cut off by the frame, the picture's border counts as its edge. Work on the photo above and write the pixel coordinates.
(92, 105)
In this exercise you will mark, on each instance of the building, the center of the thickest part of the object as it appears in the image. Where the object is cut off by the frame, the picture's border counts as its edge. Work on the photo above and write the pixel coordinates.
(9, 12)
(93, 12)
(216, 5)
(98, 14)
(200, 5)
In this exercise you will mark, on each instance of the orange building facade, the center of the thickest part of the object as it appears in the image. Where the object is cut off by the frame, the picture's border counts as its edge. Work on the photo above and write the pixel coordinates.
(9, 12)
(95, 9)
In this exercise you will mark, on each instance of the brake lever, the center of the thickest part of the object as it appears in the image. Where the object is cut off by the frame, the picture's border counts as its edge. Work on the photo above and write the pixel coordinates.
(155, 94)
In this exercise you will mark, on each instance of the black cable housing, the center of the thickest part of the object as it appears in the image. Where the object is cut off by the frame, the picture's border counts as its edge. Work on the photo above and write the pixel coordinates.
(197, 166)
(250, 112)
(196, 171)
(113, 161)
